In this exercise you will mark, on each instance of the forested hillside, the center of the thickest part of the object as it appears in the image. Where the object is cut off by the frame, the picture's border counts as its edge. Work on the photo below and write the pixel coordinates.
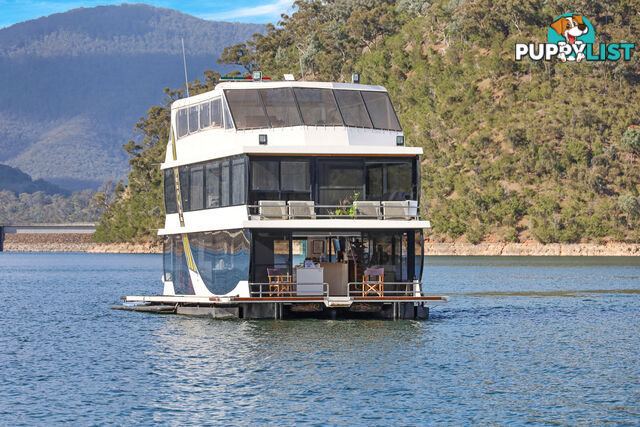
(74, 84)
(513, 150)
(13, 179)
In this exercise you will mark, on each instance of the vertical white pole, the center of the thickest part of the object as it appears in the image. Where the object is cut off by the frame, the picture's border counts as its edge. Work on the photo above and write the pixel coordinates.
(184, 60)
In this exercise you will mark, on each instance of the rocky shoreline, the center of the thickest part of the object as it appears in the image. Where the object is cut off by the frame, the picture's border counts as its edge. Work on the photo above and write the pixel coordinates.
(73, 242)
(531, 249)
(82, 243)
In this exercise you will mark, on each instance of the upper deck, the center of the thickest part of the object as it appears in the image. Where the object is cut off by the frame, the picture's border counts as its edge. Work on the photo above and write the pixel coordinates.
(285, 118)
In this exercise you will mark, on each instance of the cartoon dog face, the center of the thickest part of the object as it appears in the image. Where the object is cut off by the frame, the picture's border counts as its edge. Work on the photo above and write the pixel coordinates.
(570, 27)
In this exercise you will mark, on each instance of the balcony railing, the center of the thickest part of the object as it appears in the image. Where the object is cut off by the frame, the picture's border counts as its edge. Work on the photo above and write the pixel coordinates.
(303, 209)
(381, 289)
(354, 289)
(286, 289)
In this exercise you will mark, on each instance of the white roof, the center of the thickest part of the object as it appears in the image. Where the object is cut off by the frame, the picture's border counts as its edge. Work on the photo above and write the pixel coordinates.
(267, 84)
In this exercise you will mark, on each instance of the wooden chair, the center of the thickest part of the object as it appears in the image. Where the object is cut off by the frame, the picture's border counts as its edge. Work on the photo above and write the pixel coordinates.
(373, 282)
(279, 284)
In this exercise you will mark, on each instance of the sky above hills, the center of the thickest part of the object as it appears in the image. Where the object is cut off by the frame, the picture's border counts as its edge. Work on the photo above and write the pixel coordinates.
(255, 11)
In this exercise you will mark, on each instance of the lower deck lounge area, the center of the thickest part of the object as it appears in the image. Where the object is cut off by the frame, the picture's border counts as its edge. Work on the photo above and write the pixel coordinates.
(336, 264)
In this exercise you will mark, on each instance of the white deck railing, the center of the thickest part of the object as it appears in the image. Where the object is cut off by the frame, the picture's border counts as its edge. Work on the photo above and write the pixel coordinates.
(302, 209)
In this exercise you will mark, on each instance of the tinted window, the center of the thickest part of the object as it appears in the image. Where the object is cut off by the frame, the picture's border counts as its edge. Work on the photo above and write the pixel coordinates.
(216, 113)
(246, 108)
(205, 118)
(281, 107)
(318, 107)
(352, 108)
(238, 182)
(294, 175)
(264, 175)
(183, 124)
(228, 124)
(340, 182)
(381, 110)
(212, 179)
(169, 192)
(224, 184)
(193, 118)
(398, 182)
(184, 188)
(196, 182)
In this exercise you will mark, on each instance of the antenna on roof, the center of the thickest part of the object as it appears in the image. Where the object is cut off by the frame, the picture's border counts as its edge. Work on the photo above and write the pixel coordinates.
(184, 60)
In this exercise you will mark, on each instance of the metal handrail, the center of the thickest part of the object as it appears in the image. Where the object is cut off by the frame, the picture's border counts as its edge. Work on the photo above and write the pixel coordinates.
(291, 216)
(410, 288)
(264, 290)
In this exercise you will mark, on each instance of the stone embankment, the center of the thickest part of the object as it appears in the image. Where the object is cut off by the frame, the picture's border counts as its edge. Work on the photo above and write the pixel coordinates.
(72, 242)
(532, 249)
(69, 242)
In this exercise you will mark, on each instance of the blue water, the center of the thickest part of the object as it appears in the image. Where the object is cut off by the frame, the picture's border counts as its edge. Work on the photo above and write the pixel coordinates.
(523, 340)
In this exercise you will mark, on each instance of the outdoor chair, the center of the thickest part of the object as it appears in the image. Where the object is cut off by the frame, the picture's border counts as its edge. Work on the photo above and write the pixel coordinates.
(279, 284)
(368, 209)
(373, 282)
(405, 209)
(302, 209)
(272, 209)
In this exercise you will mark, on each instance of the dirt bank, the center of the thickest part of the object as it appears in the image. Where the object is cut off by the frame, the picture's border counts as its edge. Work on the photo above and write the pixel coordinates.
(72, 242)
(532, 249)
(83, 243)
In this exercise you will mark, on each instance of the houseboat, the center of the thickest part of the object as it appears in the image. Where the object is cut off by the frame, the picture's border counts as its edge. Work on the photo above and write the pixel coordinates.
(287, 199)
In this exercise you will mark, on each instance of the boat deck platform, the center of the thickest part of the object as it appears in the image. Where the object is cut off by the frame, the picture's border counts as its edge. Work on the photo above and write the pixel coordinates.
(280, 307)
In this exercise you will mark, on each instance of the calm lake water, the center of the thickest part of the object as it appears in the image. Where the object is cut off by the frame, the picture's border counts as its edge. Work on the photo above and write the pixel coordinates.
(523, 340)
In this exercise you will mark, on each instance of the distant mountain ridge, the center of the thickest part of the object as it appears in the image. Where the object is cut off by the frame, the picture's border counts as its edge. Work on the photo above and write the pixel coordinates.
(18, 182)
(75, 83)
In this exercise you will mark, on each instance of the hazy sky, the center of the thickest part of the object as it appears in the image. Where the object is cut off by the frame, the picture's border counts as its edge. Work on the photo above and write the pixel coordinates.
(257, 11)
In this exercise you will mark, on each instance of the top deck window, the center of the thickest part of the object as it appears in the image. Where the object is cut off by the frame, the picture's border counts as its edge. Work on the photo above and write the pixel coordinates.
(318, 107)
(352, 108)
(288, 107)
(381, 110)
(247, 109)
(281, 107)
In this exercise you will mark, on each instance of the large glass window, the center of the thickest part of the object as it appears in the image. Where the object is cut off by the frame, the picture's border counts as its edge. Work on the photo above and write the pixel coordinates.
(390, 180)
(225, 183)
(212, 179)
(340, 181)
(271, 250)
(264, 175)
(318, 107)
(182, 122)
(170, 204)
(281, 107)
(222, 258)
(399, 182)
(205, 115)
(246, 108)
(381, 110)
(185, 193)
(196, 181)
(294, 175)
(193, 119)
(228, 123)
(216, 112)
(238, 187)
(352, 108)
